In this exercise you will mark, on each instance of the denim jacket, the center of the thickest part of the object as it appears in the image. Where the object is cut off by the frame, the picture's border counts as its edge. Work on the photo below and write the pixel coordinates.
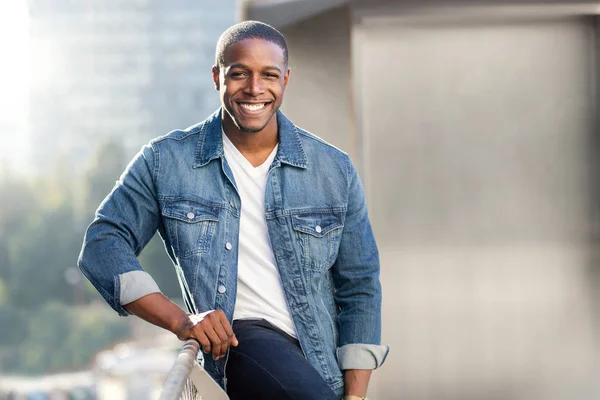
(181, 185)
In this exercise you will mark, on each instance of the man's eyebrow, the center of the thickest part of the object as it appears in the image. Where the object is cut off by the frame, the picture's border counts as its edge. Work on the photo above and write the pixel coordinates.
(232, 66)
(244, 66)
(274, 67)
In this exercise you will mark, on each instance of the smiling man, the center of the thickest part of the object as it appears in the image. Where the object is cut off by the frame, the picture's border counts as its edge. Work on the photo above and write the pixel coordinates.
(268, 230)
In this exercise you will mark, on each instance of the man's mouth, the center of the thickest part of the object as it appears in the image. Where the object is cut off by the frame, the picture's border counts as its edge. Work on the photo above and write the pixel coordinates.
(254, 106)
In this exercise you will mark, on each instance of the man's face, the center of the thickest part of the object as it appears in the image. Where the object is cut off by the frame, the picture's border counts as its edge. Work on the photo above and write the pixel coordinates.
(251, 83)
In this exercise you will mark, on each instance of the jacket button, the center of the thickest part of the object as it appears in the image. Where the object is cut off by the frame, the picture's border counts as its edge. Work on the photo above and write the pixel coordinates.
(221, 289)
(228, 246)
(190, 215)
(318, 229)
(232, 204)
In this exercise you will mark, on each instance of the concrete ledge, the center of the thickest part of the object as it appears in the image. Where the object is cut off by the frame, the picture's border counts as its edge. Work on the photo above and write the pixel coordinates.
(280, 13)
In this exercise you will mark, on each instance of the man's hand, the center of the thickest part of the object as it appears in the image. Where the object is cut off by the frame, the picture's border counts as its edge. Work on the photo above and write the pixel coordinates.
(211, 329)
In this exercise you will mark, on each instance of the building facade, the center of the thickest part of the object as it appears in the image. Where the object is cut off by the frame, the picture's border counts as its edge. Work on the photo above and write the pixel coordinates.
(122, 70)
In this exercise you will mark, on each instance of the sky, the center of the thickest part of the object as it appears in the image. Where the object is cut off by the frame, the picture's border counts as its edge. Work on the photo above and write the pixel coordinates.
(14, 82)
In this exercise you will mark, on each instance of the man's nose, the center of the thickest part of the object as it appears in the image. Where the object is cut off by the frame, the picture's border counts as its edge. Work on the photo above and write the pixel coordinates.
(254, 86)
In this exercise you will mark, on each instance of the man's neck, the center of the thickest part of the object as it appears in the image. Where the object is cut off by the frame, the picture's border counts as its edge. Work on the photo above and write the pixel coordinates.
(254, 146)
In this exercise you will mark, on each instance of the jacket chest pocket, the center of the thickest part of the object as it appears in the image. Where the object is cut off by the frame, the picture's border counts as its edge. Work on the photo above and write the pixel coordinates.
(318, 236)
(190, 225)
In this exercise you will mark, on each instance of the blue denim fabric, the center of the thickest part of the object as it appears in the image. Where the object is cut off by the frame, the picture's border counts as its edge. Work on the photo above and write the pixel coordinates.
(181, 185)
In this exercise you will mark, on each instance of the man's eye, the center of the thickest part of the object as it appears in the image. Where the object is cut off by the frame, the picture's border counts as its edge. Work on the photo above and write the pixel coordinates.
(272, 75)
(237, 74)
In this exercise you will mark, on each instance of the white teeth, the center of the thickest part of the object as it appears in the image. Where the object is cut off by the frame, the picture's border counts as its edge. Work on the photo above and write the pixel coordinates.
(252, 107)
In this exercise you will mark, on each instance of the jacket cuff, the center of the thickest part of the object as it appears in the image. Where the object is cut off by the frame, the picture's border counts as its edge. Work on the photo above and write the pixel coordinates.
(361, 356)
(134, 285)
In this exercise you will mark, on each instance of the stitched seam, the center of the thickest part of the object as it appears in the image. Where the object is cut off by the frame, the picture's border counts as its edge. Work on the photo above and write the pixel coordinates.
(295, 211)
(193, 198)
(173, 135)
(94, 281)
(176, 234)
(348, 172)
(155, 173)
(305, 160)
(200, 145)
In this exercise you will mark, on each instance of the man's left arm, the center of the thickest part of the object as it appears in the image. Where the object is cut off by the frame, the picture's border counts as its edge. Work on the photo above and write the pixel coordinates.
(358, 294)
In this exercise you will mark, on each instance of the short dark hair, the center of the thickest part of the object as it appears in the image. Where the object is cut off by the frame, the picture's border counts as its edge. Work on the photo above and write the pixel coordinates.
(249, 30)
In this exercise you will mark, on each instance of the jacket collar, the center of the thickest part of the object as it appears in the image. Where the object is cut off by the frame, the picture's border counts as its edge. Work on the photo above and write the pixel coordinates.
(210, 142)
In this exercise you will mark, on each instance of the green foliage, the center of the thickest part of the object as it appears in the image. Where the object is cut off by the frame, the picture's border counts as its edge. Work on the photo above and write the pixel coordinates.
(105, 168)
(47, 324)
(17, 200)
(96, 331)
(13, 326)
(40, 254)
(3, 292)
(61, 338)
(48, 330)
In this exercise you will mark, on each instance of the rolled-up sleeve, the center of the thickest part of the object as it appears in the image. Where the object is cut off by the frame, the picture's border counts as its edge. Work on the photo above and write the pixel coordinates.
(124, 223)
(357, 287)
(361, 356)
(135, 285)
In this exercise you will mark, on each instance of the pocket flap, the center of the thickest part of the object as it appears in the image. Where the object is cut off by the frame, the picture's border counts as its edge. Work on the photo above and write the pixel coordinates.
(317, 224)
(190, 211)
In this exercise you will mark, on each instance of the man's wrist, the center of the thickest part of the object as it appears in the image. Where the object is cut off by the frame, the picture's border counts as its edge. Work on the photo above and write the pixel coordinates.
(352, 397)
(356, 382)
(183, 327)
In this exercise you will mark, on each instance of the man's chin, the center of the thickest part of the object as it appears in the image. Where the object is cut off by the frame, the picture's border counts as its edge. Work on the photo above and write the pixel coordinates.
(254, 128)
(250, 130)
(249, 124)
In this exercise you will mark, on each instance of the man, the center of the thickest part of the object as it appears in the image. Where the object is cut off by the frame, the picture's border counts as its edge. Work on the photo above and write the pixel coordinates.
(268, 229)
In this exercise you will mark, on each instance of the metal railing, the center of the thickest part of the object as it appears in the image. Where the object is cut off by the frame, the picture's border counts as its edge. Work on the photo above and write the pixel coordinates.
(187, 380)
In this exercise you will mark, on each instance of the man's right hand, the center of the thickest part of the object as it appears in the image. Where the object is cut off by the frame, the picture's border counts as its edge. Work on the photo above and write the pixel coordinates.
(211, 329)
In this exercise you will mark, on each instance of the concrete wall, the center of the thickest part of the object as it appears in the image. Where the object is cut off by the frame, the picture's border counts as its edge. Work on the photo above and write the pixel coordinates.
(318, 97)
(478, 173)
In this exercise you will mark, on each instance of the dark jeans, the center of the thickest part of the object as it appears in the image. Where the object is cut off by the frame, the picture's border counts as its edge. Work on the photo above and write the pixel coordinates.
(269, 364)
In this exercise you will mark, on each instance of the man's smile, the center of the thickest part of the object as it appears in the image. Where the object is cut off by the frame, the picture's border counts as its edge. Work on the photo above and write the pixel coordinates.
(253, 106)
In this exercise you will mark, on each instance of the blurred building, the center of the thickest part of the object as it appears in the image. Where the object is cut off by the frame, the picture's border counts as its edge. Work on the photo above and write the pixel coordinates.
(125, 69)
(66, 386)
(135, 370)
(127, 371)
(475, 127)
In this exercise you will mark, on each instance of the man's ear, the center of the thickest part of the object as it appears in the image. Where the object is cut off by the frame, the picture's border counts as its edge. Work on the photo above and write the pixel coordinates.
(286, 77)
(215, 74)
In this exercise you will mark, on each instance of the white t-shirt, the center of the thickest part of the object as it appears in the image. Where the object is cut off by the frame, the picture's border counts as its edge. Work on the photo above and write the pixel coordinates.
(259, 289)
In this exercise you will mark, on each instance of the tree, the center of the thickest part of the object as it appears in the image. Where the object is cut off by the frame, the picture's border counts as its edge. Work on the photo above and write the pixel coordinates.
(62, 338)
(102, 172)
(40, 255)
(13, 326)
(17, 206)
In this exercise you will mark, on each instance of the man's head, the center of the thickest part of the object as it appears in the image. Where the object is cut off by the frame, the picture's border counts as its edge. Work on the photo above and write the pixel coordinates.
(251, 74)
